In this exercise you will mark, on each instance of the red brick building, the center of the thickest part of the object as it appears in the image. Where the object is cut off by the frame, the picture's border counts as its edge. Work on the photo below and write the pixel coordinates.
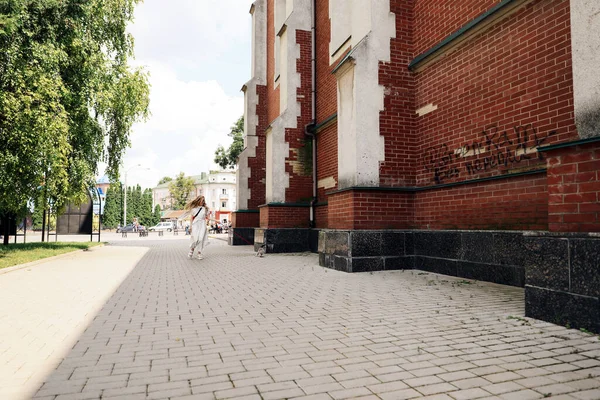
(461, 137)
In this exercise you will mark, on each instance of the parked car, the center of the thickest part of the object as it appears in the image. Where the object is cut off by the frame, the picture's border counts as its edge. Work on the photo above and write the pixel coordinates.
(126, 228)
(162, 226)
(131, 228)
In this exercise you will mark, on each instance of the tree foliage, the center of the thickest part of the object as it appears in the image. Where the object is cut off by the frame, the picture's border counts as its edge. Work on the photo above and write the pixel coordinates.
(113, 208)
(229, 158)
(165, 180)
(68, 99)
(180, 189)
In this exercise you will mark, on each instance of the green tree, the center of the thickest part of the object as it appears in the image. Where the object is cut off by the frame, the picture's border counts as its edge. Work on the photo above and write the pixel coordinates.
(134, 203)
(165, 180)
(113, 208)
(229, 158)
(146, 208)
(68, 98)
(36, 217)
(180, 189)
(156, 215)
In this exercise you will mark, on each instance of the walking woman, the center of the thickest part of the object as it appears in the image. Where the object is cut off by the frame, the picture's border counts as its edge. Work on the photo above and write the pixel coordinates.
(199, 235)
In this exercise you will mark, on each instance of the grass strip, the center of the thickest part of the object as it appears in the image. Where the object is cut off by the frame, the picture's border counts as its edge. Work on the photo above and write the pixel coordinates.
(21, 253)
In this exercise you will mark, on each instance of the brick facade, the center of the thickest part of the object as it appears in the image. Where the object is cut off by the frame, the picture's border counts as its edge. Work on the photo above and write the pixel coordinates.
(574, 189)
(461, 133)
(273, 216)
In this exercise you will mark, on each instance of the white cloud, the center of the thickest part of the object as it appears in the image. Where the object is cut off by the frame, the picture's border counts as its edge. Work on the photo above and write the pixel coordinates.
(189, 120)
(197, 53)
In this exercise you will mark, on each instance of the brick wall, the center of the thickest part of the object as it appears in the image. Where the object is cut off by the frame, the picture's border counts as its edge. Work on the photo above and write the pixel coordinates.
(397, 121)
(354, 209)
(327, 138)
(245, 220)
(256, 181)
(322, 216)
(299, 162)
(327, 159)
(436, 19)
(574, 189)
(506, 204)
(326, 81)
(499, 97)
(284, 217)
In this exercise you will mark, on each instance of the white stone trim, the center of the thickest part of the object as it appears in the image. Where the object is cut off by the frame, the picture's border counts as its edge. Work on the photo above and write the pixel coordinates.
(426, 109)
(259, 77)
(361, 148)
(327, 183)
(585, 37)
(299, 18)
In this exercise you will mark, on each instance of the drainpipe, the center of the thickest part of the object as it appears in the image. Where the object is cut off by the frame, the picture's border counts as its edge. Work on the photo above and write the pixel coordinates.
(310, 129)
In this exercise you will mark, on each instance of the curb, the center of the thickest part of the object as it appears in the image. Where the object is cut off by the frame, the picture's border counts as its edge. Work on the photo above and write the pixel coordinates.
(43, 260)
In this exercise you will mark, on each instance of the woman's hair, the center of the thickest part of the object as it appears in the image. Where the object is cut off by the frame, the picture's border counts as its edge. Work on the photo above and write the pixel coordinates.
(197, 202)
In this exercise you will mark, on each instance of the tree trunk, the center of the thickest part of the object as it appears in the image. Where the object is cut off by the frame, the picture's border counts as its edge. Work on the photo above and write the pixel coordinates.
(43, 224)
(6, 228)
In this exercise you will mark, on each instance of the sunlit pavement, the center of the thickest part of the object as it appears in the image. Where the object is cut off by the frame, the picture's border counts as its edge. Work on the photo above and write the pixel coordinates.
(234, 325)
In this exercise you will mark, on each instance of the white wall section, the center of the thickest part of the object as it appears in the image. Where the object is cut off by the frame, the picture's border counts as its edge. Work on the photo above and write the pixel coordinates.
(259, 77)
(360, 145)
(585, 36)
(299, 18)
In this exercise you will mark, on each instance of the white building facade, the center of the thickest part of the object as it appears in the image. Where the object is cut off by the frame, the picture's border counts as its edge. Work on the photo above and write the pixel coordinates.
(217, 187)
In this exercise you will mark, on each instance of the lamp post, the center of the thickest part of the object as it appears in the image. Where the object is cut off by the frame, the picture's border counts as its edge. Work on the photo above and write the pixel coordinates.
(125, 193)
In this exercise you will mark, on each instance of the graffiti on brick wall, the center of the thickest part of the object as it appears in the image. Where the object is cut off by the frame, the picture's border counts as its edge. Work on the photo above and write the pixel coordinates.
(493, 149)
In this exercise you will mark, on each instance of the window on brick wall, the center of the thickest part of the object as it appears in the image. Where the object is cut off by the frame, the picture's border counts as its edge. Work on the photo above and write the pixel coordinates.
(340, 12)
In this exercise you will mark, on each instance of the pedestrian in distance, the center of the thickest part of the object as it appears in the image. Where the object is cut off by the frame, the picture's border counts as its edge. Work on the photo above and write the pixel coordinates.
(199, 234)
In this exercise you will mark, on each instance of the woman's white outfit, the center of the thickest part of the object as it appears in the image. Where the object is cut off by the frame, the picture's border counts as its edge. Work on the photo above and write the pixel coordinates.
(199, 235)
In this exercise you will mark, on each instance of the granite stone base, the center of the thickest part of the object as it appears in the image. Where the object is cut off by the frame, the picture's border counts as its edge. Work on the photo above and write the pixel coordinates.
(283, 240)
(241, 237)
(563, 279)
(488, 256)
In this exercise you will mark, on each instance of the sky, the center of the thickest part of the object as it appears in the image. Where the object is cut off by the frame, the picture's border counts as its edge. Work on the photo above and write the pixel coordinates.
(198, 55)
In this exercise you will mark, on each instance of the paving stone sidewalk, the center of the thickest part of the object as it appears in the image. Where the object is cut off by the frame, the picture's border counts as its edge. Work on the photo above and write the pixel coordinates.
(45, 308)
(236, 326)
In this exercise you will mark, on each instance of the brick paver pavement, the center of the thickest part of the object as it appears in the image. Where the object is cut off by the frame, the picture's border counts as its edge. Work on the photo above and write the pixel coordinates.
(238, 326)
(45, 308)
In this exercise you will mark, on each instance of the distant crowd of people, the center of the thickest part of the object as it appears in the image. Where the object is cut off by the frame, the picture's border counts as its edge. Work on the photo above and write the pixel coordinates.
(219, 227)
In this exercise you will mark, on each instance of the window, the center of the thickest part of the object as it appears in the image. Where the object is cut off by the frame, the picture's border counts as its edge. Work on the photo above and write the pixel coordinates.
(224, 204)
(224, 191)
(213, 204)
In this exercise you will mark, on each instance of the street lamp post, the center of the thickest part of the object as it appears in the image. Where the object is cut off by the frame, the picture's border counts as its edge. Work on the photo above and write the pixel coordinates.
(125, 193)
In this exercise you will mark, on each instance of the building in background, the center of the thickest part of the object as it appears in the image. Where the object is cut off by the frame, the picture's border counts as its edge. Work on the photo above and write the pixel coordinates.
(406, 134)
(217, 187)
